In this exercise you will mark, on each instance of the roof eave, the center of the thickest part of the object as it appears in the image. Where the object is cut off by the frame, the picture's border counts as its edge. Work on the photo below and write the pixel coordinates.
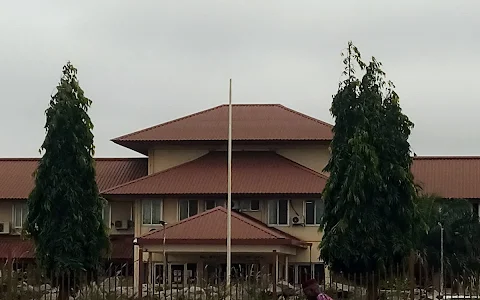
(239, 242)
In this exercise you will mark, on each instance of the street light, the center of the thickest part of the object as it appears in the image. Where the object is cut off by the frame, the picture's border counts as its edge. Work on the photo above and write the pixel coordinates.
(441, 258)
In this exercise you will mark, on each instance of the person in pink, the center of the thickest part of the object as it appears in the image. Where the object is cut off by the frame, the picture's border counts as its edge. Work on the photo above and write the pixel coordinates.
(312, 291)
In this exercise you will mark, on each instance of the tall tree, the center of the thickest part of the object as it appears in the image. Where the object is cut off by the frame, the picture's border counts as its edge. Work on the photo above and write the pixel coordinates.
(369, 195)
(65, 208)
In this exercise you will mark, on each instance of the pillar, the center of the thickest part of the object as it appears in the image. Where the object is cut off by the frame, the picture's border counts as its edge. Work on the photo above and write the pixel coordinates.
(286, 268)
(140, 272)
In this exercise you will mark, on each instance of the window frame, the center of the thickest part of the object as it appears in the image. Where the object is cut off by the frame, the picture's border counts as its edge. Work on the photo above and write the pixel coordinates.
(249, 209)
(23, 206)
(315, 211)
(151, 212)
(179, 206)
(288, 213)
(216, 203)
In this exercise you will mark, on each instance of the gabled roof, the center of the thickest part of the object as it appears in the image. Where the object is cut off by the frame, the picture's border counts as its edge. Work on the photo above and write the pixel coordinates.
(261, 172)
(448, 176)
(250, 122)
(16, 174)
(210, 226)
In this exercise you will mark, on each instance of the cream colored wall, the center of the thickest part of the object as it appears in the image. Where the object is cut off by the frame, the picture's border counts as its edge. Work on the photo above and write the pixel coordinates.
(121, 211)
(162, 159)
(314, 157)
(307, 233)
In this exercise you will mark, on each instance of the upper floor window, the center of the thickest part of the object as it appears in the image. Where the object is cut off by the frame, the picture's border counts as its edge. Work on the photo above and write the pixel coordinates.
(151, 212)
(187, 208)
(210, 204)
(278, 212)
(20, 212)
(107, 214)
(246, 205)
(314, 211)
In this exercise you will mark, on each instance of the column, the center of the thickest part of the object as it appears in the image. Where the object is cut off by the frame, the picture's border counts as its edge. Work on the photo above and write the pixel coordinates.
(139, 278)
(286, 268)
(150, 268)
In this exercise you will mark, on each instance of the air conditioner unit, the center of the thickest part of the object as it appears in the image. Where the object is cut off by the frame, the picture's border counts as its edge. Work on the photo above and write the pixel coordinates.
(121, 224)
(4, 228)
(298, 221)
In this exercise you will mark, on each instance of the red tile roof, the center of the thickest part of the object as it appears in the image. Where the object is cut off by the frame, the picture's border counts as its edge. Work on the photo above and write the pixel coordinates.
(18, 248)
(210, 228)
(16, 180)
(448, 177)
(258, 172)
(251, 122)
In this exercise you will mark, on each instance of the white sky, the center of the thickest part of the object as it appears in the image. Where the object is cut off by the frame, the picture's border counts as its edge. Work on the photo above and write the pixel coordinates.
(147, 62)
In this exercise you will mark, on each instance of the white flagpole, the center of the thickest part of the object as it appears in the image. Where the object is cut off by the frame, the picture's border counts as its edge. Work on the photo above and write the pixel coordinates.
(229, 190)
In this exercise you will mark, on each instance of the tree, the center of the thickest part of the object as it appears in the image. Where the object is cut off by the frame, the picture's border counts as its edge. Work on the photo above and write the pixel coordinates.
(65, 208)
(369, 195)
(461, 235)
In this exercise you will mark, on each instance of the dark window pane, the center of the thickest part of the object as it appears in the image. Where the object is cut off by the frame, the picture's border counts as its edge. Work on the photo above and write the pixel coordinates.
(183, 206)
(319, 272)
(304, 273)
(309, 212)
(210, 204)
(319, 209)
(192, 207)
(283, 212)
(272, 212)
(255, 204)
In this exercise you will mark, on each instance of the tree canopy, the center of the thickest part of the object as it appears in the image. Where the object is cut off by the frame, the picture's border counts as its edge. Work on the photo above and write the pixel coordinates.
(461, 235)
(65, 208)
(369, 196)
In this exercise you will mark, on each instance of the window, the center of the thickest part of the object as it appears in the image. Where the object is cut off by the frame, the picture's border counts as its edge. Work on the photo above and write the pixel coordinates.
(210, 204)
(314, 211)
(187, 208)
(152, 212)
(107, 215)
(247, 205)
(278, 212)
(20, 212)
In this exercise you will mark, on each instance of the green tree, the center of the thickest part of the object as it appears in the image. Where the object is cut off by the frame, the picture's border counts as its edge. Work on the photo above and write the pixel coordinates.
(369, 208)
(65, 208)
(461, 235)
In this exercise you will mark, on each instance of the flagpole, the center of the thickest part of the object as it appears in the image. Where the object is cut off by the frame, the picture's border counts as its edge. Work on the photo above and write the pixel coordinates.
(229, 190)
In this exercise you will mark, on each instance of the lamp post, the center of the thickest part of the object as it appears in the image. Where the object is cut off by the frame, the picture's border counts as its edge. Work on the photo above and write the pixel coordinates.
(164, 275)
(441, 258)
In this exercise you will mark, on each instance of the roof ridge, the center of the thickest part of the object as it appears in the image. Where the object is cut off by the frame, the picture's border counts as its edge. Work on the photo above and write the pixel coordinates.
(295, 164)
(153, 174)
(305, 116)
(168, 122)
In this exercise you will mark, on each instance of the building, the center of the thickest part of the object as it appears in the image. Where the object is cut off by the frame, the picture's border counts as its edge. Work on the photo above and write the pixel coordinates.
(278, 158)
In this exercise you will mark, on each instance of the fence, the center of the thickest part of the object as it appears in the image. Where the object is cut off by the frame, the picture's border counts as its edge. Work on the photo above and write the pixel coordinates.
(21, 281)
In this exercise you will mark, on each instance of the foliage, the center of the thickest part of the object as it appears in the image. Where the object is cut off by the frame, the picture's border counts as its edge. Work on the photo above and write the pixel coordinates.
(461, 235)
(65, 209)
(369, 195)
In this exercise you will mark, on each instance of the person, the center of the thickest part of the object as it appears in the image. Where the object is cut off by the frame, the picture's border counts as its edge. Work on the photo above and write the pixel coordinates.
(312, 290)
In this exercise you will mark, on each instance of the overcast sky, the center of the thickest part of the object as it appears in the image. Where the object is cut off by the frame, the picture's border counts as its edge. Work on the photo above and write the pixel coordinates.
(147, 62)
